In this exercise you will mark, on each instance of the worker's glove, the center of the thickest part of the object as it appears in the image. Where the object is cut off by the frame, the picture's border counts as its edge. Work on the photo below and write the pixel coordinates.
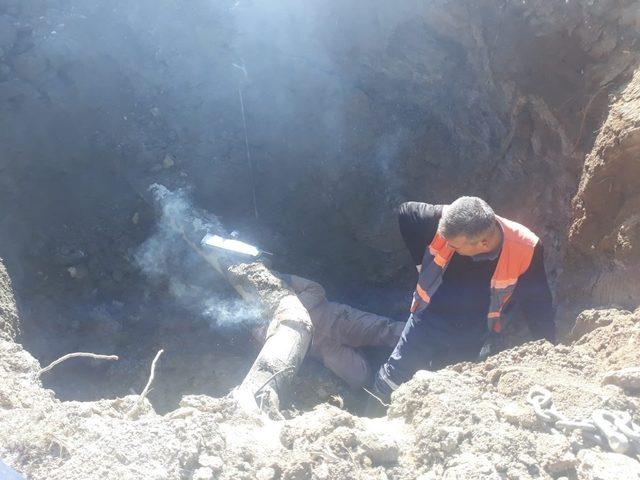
(493, 343)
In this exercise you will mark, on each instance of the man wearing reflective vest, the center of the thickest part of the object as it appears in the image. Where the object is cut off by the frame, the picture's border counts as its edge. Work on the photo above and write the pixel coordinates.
(473, 265)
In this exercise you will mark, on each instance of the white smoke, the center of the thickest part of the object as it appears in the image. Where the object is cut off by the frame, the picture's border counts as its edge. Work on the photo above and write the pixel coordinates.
(167, 260)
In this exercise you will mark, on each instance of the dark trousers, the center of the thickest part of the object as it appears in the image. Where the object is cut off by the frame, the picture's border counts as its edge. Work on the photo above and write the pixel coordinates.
(430, 341)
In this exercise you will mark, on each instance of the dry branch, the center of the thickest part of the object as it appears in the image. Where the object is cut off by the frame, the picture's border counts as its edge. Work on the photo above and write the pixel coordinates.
(73, 355)
(144, 393)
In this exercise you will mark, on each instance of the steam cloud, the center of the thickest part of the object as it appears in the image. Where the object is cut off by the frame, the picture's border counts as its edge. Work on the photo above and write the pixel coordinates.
(165, 258)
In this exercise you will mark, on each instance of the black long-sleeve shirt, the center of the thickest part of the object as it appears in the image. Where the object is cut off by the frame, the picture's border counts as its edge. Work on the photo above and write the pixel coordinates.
(464, 294)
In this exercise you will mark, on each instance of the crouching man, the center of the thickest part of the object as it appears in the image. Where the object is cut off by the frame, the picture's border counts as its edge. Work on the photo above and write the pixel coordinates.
(472, 264)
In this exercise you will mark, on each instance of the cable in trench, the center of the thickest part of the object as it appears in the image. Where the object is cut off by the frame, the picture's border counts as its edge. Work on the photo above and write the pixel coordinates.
(246, 140)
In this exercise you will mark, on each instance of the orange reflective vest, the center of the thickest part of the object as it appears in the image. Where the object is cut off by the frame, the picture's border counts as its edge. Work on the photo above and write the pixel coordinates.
(518, 245)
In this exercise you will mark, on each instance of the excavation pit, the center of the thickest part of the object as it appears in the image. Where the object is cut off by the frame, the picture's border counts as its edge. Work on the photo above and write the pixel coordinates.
(302, 127)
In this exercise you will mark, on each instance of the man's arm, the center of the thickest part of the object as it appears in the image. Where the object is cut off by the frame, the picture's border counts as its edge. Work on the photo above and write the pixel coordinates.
(418, 224)
(532, 293)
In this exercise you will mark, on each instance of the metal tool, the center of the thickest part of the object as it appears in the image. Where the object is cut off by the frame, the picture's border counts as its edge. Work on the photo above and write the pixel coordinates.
(611, 429)
(232, 245)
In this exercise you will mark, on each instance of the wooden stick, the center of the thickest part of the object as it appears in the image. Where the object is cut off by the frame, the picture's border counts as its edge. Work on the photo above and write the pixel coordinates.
(73, 355)
(144, 393)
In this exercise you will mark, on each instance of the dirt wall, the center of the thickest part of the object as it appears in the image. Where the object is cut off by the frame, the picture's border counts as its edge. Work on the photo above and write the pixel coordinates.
(350, 108)
(605, 230)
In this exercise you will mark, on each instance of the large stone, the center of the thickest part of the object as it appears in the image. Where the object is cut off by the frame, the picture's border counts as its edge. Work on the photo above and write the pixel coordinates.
(380, 449)
(594, 465)
(266, 473)
(626, 378)
(518, 414)
(589, 320)
(471, 467)
(212, 462)
(203, 473)
(554, 453)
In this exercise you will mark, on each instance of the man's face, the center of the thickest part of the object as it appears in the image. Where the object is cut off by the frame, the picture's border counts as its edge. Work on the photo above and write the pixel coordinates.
(464, 246)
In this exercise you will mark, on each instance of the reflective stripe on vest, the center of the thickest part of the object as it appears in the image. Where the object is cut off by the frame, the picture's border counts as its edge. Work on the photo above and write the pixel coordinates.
(518, 245)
